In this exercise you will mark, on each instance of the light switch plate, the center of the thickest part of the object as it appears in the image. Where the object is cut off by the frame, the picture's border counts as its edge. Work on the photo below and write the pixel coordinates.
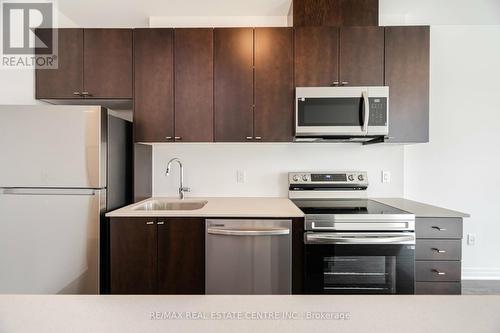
(471, 239)
(386, 176)
(241, 176)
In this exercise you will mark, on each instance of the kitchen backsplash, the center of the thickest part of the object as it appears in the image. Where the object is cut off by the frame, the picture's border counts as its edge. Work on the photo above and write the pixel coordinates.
(231, 169)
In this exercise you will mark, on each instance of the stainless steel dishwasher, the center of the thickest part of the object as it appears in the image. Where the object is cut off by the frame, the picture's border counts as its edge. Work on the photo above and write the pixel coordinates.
(248, 256)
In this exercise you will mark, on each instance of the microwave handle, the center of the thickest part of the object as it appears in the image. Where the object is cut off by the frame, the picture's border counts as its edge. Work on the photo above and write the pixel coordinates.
(366, 111)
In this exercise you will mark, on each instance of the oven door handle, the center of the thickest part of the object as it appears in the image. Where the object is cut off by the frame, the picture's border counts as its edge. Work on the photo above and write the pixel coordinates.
(343, 239)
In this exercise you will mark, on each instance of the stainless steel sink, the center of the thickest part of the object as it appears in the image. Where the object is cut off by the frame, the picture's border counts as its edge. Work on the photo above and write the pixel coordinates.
(171, 205)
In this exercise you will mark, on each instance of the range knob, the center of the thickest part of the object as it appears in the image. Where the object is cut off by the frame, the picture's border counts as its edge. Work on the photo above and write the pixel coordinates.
(296, 178)
(351, 178)
(305, 178)
(361, 178)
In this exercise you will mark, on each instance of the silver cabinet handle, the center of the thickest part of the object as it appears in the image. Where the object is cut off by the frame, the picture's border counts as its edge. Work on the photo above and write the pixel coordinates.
(438, 228)
(249, 137)
(438, 272)
(335, 83)
(150, 222)
(258, 138)
(177, 137)
(438, 250)
(168, 138)
(249, 232)
(85, 94)
(77, 93)
(185, 189)
(344, 83)
(160, 223)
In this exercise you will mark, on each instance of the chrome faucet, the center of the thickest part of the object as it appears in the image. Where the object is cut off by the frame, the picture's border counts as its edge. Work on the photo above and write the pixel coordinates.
(182, 189)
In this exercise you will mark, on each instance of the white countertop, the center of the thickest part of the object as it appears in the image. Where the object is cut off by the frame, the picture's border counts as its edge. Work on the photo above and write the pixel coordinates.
(218, 207)
(420, 209)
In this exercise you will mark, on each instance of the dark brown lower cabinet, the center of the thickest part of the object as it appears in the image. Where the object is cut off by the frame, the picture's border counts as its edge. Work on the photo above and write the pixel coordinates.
(181, 256)
(133, 256)
(438, 255)
(157, 256)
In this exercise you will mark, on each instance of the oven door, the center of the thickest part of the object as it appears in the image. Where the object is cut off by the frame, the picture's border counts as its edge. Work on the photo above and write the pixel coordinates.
(360, 263)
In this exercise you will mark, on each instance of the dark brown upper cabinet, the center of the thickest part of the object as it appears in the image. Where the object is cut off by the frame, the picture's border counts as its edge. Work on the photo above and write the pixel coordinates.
(181, 256)
(407, 75)
(194, 114)
(92, 63)
(316, 56)
(67, 80)
(335, 13)
(133, 256)
(153, 85)
(107, 67)
(274, 89)
(233, 84)
(328, 56)
(362, 56)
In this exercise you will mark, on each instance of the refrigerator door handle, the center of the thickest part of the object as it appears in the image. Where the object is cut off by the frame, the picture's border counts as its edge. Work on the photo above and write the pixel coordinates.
(48, 191)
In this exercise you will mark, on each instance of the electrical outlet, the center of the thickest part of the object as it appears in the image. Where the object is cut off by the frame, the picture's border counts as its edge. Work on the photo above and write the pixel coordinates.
(386, 176)
(241, 176)
(471, 239)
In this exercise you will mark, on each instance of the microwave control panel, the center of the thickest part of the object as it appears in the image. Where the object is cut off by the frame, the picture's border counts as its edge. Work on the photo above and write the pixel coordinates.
(378, 111)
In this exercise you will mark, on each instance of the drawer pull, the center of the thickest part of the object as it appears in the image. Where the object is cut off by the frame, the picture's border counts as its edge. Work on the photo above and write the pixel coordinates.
(438, 272)
(438, 250)
(160, 223)
(438, 228)
(150, 222)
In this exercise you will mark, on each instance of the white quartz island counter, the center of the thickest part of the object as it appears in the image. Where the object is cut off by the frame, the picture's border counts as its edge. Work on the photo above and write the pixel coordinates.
(217, 207)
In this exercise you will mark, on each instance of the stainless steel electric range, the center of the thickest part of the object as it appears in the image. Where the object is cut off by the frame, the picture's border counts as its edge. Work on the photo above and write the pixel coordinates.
(353, 245)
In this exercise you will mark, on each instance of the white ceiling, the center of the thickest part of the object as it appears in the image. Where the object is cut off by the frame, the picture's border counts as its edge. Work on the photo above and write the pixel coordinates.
(136, 13)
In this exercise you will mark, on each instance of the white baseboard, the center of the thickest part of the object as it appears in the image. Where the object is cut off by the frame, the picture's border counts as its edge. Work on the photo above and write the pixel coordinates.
(475, 273)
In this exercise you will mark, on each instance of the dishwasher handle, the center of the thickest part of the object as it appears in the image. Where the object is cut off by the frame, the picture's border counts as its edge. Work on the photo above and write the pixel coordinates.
(249, 231)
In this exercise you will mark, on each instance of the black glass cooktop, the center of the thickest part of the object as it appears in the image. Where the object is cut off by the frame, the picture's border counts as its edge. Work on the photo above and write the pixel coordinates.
(345, 206)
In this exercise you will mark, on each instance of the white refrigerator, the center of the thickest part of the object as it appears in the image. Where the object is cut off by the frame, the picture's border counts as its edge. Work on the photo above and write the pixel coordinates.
(61, 169)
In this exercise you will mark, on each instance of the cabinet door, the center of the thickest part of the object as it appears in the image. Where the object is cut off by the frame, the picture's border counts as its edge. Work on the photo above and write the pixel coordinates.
(133, 256)
(233, 84)
(274, 84)
(108, 63)
(67, 79)
(362, 56)
(194, 115)
(181, 256)
(153, 85)
(407, 75)
(335, 13)
(316, 56)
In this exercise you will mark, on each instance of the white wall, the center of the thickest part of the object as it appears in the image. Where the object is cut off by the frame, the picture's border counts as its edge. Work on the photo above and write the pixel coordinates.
(210, 169)
(460, 166)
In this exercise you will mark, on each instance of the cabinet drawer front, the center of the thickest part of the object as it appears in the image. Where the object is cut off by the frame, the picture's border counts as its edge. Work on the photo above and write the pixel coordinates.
(427, 227)
(438, 288)
(435, 271)
(438, 249)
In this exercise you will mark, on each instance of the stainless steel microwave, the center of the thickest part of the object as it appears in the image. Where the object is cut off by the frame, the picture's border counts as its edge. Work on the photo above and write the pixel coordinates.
(341, 112)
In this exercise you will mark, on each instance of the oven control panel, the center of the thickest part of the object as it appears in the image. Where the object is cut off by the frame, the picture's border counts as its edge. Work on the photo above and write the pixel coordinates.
(333, 177)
